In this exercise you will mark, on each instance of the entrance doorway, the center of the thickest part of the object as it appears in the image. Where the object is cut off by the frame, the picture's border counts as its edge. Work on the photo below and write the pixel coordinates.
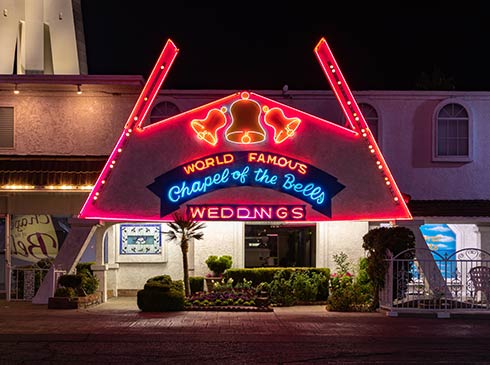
(268, 245)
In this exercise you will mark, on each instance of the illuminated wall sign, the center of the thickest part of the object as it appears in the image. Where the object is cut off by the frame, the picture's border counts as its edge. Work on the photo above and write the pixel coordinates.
(246, 168)
(222, 129)
(247, 212)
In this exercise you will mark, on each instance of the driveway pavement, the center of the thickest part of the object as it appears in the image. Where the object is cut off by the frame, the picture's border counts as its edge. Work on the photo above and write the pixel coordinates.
(116, 332)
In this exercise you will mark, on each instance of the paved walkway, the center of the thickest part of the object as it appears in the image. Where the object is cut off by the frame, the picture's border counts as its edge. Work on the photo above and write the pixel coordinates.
(117, 332)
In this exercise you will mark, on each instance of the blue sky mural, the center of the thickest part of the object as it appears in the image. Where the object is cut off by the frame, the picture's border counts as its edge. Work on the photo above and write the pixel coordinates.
(441, 239)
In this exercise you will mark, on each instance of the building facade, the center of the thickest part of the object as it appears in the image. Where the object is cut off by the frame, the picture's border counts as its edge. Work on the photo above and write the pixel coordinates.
(55, 143)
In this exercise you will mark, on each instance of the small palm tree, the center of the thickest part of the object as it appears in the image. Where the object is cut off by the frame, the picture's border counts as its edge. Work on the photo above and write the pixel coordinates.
(185, 228)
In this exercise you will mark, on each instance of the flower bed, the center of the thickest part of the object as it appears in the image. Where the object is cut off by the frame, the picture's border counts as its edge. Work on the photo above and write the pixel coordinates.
(234, 297)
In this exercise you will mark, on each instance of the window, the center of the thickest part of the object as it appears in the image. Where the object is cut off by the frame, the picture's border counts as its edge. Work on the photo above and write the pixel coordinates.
(452, 133)
(6, 127)
(162, 111)
(280, 245)
(371, 116)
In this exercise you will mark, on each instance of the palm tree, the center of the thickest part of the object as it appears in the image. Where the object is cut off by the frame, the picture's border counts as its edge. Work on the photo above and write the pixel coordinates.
(185, 228)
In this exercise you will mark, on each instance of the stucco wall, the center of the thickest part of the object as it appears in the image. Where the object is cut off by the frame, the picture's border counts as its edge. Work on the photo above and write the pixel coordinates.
(68, 124)
(406, 123)
(343, 237)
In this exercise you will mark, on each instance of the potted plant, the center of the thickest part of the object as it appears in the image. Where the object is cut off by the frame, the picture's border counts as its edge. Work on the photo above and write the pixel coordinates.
(217, 266)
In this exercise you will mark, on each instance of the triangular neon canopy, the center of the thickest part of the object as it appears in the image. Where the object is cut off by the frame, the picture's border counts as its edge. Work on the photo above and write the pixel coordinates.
(246, 157)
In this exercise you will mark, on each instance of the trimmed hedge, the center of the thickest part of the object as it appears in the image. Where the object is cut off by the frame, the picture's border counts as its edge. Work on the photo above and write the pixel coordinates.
(161, 294)
(197, 284)
(280, 284)
(266, 274)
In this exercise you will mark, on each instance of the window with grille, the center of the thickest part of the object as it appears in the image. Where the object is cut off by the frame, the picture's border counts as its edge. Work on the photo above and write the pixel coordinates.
(6, 127)
(163, 110)
(452, 133)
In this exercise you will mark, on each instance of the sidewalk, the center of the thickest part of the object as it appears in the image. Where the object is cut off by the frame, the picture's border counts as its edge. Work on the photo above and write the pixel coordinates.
(117, 332)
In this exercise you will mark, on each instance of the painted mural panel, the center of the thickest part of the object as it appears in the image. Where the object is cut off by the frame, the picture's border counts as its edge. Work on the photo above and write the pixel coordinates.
(442, 241)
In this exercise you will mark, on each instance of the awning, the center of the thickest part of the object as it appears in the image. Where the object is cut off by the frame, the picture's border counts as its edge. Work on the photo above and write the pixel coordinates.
(49, 172)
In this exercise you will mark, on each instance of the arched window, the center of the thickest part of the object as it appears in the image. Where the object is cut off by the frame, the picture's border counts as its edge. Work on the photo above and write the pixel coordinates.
(371, 116)
(452, 133)
(163, 110)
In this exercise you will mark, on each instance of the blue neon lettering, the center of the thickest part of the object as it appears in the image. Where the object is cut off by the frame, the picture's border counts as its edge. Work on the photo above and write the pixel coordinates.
(178, 192)
(242, 176)
(309, 191)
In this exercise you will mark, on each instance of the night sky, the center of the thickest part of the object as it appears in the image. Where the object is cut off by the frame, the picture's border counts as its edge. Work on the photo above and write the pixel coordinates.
(258, 45)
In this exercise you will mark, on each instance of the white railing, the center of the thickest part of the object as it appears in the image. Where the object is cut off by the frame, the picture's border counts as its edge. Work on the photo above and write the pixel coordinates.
(25, 281)
(441, 284)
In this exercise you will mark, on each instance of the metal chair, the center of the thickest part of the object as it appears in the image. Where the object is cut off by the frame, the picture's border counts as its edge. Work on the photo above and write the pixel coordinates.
(480, 276)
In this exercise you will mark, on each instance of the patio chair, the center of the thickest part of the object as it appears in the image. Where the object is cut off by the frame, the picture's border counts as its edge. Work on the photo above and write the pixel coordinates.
(480, 276)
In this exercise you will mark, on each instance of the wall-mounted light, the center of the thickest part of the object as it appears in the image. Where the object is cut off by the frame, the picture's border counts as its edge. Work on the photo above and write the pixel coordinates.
(16, 90)
(79, 89)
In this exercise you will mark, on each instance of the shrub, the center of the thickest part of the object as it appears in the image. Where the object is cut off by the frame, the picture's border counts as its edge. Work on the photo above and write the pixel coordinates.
(196, 283)
(90, 283)
(218, 265)
(377, 242)
(348, 292)
(83, 282)
(161, 294)
(70, 281)
(65, 292)
(85, 267)
(266, 274)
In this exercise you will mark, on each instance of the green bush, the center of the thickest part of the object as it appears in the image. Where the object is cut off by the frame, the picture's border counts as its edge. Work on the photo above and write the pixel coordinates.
(65, 292)
(85, 267)
(305, 287)
(266, 275)
(160, 295)
(218, 265)
(164, 279)
(70, 281)
(84, 281)
(348, 292)
(196, 283)
(90, 283)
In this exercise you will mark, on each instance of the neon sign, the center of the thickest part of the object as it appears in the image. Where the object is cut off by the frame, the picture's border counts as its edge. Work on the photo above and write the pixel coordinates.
(245, 168)
(247, 212)
(246, 122)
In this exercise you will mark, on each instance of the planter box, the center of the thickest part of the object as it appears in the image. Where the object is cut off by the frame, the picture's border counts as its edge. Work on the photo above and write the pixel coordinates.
(73, 303)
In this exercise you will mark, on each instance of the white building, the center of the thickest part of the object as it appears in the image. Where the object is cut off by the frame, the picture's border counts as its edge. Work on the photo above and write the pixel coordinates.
(58, 131)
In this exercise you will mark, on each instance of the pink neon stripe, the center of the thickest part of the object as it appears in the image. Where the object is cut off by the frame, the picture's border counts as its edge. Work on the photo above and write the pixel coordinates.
(140, 110)
(326, 58)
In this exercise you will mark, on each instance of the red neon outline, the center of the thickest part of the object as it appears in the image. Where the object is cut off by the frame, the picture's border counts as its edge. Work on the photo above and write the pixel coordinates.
(137, 116)
(294, 121)
(354, 114)
(213, 104)
(205, 136)
(339, 86)
(246, 96)
(266, 101)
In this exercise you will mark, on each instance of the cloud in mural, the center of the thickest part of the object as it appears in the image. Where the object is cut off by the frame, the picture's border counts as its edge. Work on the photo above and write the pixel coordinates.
(442, 246)
(439, 228)
(440, 238)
